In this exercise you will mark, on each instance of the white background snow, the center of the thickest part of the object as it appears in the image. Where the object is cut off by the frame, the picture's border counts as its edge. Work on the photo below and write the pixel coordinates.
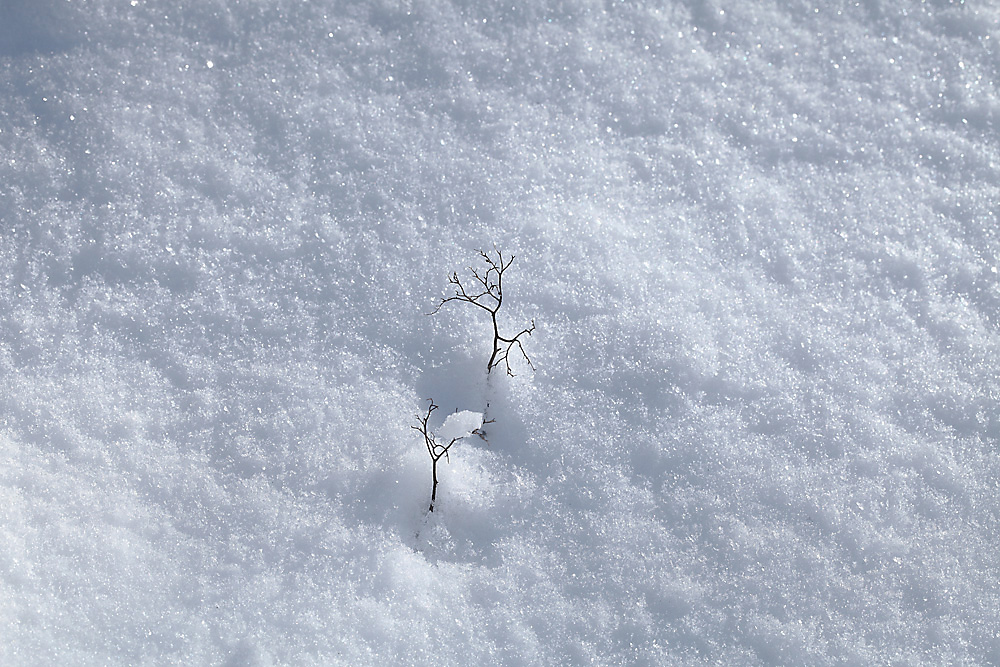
(760, 243)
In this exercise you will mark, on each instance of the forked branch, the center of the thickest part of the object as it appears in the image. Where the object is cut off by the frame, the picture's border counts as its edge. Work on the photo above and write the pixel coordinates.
(435, 449)
(485, 291)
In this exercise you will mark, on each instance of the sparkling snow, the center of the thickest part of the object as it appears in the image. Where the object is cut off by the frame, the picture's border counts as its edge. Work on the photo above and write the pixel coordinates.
(760, 244)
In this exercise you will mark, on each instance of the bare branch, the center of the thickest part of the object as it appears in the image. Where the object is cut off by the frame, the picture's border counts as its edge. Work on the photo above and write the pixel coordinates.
(511, 342)
(434, 448)
(490, 300)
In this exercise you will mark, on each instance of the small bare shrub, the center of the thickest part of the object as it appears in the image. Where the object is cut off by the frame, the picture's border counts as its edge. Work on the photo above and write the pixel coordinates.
(485, 291)
(435, 450)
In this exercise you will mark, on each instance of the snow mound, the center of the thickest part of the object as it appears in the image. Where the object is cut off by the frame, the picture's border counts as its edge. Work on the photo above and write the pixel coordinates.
(460, 425)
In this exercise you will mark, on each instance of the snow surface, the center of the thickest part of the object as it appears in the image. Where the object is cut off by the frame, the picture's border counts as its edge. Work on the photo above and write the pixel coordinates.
(760, 243)
(459, 425)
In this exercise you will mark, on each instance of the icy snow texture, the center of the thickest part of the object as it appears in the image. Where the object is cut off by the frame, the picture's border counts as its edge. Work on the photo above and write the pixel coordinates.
(459, 425)
(759, 240)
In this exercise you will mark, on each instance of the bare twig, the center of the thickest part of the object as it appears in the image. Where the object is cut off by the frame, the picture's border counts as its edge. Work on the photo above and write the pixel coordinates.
(481, 432)
(487, 293)
(435, 449)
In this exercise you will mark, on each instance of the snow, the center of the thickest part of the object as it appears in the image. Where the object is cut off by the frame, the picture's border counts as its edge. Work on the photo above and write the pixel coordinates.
(759, 243)
(459, 425)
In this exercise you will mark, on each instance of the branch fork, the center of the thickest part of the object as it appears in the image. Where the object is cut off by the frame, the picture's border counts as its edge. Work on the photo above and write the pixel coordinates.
(485, 291)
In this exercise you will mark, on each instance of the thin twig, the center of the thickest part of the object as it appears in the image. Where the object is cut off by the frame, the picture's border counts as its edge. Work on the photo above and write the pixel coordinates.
(489, 297)
(434, 449)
